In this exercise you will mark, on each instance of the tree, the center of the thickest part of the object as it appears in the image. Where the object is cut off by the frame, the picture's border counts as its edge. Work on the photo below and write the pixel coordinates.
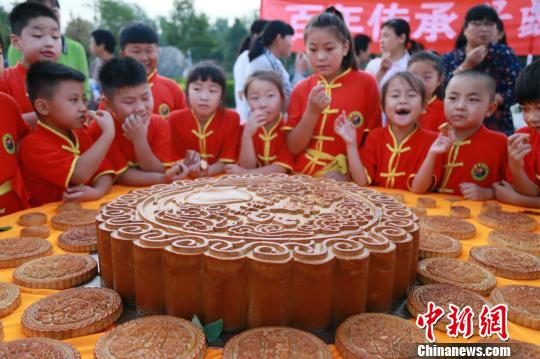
(188, 31)
(80, 30)
(115, 14)
(4, 27)
(236, 34)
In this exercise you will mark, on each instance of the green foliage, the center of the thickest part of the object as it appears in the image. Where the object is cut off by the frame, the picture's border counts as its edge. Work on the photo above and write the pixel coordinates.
(80, 30)
(212, 331)
(114, 14)
(4, 27)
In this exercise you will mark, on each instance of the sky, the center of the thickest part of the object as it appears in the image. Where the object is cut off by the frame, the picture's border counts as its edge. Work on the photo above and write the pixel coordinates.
(212, 8)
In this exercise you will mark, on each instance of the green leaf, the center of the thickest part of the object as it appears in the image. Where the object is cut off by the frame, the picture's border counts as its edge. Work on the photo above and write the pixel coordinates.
(213, 330)
(6, 228)
(197, 322)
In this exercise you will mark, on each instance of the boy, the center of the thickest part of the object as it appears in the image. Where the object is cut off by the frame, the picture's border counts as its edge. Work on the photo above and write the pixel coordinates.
(36, 34)
(141, 147)
(477, 159)
(140, 41)
(59, 160)
(524, 145)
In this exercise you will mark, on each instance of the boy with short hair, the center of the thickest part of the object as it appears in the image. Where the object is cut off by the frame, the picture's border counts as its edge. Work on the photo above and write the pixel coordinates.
(36, 34)
(140, 151)
(140, 41)
(59, 160)
(478, 157)
(12, 130)
(524, 145)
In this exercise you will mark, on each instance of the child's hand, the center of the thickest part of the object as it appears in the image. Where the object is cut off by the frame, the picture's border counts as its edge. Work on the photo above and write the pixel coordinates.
(177, 171)
(318, 100)
(196, 171)
(504, 192)
(255, 120)
(234, 169)
(81, 193)
(104, 120)
(443, 143)
(345, 129)
(518, 148)
(474, 192)
(135, 128)
(192, 158)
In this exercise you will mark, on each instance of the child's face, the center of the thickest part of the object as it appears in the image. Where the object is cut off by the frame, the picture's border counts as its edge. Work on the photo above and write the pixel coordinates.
(325, 52)
(39, 40)
(146, 54)
(136, 100)
(390, 42)
(67, 109)
(403, 104)
(467, 102)
(531, 112)
(264, 96)
(204, 97)
(429, 76)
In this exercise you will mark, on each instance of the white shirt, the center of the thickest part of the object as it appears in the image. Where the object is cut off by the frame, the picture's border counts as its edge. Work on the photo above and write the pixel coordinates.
(374, 66)
(268, 62)
(240, 71)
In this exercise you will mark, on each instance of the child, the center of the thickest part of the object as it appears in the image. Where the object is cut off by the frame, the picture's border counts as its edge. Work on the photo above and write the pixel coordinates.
(205, 127)
(59, 160)
(524, 145)
(12, 130)
(141, 148)
(393, 155)
(429, 68)
(36, 34)
(264, 148)
(478, 157)
(316, 102)
(140, 41)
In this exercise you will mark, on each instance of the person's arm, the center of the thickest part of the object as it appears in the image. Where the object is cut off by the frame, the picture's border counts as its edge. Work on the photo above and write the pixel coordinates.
(136, 130)
(298, 139)
(504, 192)
(214, 169)
(518, 148)
(423, 180)
(386, 64)
(508, 68)
(83, 193)
(89, 162)
(474, 192)
(135, 177)
(346, 130)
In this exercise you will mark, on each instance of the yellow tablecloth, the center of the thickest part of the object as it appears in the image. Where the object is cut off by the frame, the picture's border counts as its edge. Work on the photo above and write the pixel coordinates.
(12, 323)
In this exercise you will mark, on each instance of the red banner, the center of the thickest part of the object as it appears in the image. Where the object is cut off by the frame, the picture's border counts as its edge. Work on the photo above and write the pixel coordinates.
(436, 24)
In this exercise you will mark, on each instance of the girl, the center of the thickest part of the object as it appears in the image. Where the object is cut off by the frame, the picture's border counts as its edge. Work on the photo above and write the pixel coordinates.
(392, 156)
(335, 87)
(264, 148)
(274, 43)
(429, 68)
(396, 45)
(205, 127)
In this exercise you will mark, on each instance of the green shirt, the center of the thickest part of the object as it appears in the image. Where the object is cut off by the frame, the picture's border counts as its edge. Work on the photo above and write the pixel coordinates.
(73, 55)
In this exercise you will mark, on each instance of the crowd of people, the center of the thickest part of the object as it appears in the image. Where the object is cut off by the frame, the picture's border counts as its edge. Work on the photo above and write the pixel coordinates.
(411, 120)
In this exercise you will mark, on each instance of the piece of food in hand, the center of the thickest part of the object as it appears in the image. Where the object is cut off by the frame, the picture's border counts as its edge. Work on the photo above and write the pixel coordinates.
(444, 127)
(203, 165)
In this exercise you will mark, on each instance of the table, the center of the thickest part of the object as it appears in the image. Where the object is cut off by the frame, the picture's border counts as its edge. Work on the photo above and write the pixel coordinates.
(13, 328)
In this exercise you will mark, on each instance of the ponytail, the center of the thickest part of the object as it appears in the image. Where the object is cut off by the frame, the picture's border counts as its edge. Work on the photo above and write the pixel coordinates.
(414, 46)
(401, 27)
(269, 34)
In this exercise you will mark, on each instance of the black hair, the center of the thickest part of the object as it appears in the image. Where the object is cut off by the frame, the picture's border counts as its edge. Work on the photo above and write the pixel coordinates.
(24, 12)
(255, 30)
(333, 19)
(402, 27)
(121, 72)
(269, 76)
(207, 70)
(53, 3)
(137, 33)
(361, 43)
(44, 76)
(527, 88)
(414, 81)
(269, 34)
(104, 37)
(489, 81)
